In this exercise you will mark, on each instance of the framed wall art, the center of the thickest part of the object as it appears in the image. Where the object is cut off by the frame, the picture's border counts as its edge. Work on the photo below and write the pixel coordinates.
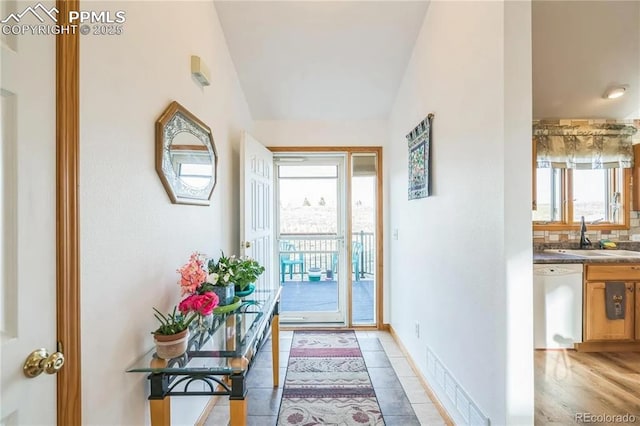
(419, 140)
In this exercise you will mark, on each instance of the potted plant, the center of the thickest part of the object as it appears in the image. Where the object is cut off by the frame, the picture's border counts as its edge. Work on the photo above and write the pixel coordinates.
(247, 272)
(221, 277)
(172, 337)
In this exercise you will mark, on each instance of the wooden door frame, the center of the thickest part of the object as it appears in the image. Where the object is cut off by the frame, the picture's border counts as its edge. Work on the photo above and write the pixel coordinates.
(379, 218)
(68, 397)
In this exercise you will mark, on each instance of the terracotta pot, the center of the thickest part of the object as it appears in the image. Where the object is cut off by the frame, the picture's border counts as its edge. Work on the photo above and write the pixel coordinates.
(171, 346)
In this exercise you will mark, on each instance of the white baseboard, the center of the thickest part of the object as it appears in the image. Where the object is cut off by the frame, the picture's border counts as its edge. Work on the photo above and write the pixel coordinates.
(425, 384)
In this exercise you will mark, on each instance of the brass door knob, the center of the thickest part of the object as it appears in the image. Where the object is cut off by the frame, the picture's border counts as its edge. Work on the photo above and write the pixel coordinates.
(247, 244)
(39, 361)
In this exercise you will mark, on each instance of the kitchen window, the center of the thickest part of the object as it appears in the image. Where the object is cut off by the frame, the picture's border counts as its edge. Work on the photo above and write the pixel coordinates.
(563, 196)
(581, 169)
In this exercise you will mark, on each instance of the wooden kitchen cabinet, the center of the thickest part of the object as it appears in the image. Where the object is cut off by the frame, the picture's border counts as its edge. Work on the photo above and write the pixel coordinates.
(635, 182)
(637, 332)
(600, 334)
(619, 272)
(597, 327)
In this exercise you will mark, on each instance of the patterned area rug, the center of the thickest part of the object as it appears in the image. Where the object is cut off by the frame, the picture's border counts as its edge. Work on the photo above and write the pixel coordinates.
(327, 382)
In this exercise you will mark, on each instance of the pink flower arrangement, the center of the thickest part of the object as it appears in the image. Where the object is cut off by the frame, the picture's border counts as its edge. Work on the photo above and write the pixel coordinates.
(201, 303)
(192, 275)
(193, 283)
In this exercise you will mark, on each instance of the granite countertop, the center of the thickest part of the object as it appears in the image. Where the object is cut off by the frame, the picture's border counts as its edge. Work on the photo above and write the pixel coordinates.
(546, 257)
(542, 257)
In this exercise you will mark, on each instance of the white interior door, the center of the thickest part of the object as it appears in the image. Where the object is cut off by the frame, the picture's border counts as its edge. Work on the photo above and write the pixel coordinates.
(256, 206)
(27, 219)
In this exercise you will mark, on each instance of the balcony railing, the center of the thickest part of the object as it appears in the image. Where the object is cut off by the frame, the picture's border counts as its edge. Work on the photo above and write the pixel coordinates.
(318, 251)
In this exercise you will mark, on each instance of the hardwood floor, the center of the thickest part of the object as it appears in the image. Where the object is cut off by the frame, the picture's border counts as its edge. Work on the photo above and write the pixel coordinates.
(570, 384)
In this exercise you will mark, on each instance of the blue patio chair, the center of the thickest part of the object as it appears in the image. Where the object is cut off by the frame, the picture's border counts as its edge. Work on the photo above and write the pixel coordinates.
(356, 252)
(289, 259)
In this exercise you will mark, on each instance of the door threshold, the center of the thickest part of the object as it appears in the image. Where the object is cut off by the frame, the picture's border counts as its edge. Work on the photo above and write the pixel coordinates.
(288, 326)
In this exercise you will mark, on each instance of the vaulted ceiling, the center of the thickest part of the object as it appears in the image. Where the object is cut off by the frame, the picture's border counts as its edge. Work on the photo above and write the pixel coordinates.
(325, 60)
(344, 60)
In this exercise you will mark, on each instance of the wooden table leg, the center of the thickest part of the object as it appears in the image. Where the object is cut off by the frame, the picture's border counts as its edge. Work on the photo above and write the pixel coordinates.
(160, 411)
(238, 397)
(238, 413)
(275, 349)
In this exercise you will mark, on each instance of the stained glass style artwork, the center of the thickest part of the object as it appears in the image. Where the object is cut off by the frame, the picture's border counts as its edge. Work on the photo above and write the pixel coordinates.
(419, 159)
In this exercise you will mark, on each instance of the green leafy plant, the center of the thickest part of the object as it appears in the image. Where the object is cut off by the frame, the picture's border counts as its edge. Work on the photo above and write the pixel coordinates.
(172, 323)
(247, 271)
(233, 270)
(222, 271)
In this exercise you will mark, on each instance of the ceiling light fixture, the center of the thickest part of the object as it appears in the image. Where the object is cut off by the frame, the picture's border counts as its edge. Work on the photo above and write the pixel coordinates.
(615, 92)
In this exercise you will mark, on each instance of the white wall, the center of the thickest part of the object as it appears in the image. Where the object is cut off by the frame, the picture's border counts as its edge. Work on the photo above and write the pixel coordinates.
(321, 133)
(518, 267)
(132, 238)
(463, 255)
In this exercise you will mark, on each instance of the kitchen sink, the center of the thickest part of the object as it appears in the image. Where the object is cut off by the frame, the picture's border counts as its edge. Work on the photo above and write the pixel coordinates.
(596, 253)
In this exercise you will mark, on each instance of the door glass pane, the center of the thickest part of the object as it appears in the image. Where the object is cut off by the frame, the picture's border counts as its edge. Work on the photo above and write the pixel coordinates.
(308, 199)
(362, 264)
(309, 243)
(589, 195)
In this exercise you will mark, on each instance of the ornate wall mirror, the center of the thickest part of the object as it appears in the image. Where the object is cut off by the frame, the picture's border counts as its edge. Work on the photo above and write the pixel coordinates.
(186, 156)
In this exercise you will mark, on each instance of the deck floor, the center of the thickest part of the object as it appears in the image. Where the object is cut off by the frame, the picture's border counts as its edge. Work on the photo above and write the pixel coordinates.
(319, 296)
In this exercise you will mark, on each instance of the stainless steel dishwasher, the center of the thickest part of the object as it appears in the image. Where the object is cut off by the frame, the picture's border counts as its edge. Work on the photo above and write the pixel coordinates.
(557, 305)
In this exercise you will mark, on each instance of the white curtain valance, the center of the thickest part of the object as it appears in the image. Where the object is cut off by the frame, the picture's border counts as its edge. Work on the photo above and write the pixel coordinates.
(594, 146)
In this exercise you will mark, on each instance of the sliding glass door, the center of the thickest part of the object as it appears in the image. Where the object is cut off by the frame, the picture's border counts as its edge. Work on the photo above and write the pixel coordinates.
(329, 231)
(364, 235)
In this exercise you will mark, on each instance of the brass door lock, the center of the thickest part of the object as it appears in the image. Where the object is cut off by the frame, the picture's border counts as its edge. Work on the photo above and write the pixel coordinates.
(39, 361)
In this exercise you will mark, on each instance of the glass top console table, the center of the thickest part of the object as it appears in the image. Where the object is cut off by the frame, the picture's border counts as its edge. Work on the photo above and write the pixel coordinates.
(221, 351)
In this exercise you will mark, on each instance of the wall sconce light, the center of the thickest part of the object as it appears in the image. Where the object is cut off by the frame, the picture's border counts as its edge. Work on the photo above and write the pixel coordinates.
(614, 92)
(199, 71)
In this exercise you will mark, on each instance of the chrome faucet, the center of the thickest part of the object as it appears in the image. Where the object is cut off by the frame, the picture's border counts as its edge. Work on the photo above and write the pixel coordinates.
(584, 241)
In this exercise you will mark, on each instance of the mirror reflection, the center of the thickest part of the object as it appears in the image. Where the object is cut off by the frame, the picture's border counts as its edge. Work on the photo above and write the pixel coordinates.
(191, 160)
(187, 158)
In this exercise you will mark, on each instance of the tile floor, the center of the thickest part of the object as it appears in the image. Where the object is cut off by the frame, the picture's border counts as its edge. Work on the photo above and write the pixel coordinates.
(380, 352)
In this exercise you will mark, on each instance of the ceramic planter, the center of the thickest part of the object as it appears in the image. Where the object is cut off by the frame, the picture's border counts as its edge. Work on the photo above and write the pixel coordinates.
(225, 294)
(171, 346)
